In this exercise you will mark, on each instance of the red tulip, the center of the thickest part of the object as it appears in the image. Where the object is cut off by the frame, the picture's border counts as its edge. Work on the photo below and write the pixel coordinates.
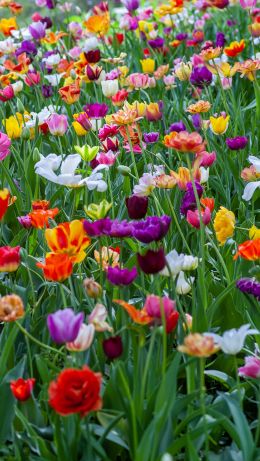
(22, 388)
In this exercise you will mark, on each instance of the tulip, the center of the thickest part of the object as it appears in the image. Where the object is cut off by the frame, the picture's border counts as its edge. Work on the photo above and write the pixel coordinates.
(118, 276)
(113, 347)
(86, 152)
(57, 267)
(136, 206)
(201, 76)
(22, 388)
(92, 288)
(250, 286)
(98, 318)
(237, 143)
(84, 339)
(4, 200)
(98, 211)
(151, 229)
(37, 30)
(251, 369)
(193, 217)
(152, 261)
(11, 308)
(5, 144)
(57, 124)
(198, 345)
(148, 65)
(219, 125)
(233, 340)
(9, 258)
(109, 88)
(64, 325)
(154, 306)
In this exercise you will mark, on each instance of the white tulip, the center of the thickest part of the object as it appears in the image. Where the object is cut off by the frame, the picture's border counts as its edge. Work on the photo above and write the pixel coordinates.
(109, 87)
(182, 286)
(83, 340)
(233, 340)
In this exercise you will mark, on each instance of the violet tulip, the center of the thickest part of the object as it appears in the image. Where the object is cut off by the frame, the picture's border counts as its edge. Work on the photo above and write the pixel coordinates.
(189, 199)
(249, 286)
(5, 144)
(237, 143)
(201, 76)
(153, 228)
(118, 276)
(37, 30)
(64, 325)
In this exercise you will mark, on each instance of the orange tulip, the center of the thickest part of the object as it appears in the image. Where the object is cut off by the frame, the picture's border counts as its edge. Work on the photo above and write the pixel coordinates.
(69, 238)
(234, 48)
(40, 217)
(7, 25)
(98, 24)
(70, 93)
(185, 142)
(57, 267)
(249, 250)
(138, 316)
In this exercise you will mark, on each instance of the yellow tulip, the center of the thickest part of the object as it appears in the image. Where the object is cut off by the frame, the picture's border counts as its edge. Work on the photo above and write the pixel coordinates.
(148, 65)
(219, 125)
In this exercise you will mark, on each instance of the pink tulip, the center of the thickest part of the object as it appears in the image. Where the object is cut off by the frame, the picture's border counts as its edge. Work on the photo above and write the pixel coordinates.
(193, 217)
(251, 369)
(57, 124)
(7, 93)
(154, 305)
(5, 143)
(248, 3)
(206, 159)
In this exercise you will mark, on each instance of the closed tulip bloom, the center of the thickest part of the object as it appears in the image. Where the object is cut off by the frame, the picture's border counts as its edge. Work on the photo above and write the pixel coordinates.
(251, 369)
(154, 306)
(37, 30)
(84, 339)
(9, 258)
(136, 206)
(57, 124)
(98, 318)
(7, 93)
(11, 308)
(22, 388)
(151, 138)
(92, 288)
(148, 65)
(109, 88)
(57, 267)
(249, 286)
(5, 144)
(118, 276)
(113, 347)
(4, 200)
(152, 261)
(193, 217)
(224, 224)
(64, 325)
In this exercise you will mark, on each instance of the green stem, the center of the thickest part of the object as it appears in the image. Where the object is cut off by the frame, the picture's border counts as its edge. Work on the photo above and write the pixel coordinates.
(36, 341)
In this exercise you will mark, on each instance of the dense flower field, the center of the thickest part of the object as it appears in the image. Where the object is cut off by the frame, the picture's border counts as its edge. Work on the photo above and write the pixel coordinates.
(130, 236)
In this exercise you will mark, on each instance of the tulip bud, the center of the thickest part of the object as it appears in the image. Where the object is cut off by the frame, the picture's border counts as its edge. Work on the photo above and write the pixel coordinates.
(113, 347)
(26, 133)
(20, 106)
(36, 154)
(124, 170)
(92, 288)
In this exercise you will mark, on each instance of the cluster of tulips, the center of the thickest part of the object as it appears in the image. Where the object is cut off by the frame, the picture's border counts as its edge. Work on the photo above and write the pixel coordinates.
(130, 236)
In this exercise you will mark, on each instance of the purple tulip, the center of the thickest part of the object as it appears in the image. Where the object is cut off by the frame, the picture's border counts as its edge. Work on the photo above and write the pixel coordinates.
(152, 137)
(197, 121)
(47, 91)
(64, 325)
(47, 21)
(119, 229)
(113, 347)
(131, 5)
(249, 286)
(182, 36)
(118, 276)
(37, 30)
(189, 199)
(152, 261)
(25, 221)
(177, 126)
(98, 227)
(151, 229)
(237, 143)
(136, 206)
(156, 43)
(50, 4)
(220, 39)
(201, 76)
(27, 47)
(96, 110)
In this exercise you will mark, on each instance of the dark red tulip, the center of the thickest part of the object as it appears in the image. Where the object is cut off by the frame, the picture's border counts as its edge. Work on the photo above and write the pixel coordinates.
(113, 347)
(136, 206)
(152, 261)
